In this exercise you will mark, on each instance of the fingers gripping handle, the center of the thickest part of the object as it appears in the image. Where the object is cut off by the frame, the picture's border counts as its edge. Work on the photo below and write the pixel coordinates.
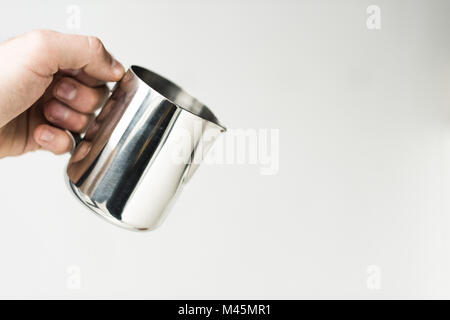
(76, 137)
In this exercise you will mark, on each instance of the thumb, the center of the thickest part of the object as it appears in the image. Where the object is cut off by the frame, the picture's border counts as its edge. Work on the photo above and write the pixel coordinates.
(53, 51)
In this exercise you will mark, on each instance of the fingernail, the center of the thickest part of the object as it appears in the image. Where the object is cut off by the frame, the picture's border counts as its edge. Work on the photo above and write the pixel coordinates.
(46, 136)
(66, 91)
(59, 113)
(117, 68)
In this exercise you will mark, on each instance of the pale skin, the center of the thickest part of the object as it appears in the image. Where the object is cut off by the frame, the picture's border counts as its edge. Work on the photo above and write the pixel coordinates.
(50, 82)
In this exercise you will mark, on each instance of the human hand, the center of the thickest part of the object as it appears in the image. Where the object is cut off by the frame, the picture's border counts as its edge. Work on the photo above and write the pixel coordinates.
(50, 82)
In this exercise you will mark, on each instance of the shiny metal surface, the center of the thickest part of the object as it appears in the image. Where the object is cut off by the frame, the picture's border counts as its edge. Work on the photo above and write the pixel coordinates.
(142, 148)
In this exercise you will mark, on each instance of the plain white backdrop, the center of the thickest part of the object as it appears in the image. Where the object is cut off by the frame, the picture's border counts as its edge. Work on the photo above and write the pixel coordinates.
(359, 207)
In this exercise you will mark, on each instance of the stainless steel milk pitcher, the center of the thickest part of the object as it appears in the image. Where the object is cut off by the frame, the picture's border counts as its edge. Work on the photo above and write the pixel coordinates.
(144, 145)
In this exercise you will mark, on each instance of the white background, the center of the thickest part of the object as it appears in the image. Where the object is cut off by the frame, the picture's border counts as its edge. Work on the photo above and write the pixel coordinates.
(364, 161)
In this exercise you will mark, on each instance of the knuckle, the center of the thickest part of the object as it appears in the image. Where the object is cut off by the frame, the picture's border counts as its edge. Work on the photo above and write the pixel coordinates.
(38, 53)
(39, 39)
(95, 45)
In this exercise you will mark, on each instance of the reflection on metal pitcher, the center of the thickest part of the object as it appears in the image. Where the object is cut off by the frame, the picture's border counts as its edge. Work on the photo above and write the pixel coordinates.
(145, 144)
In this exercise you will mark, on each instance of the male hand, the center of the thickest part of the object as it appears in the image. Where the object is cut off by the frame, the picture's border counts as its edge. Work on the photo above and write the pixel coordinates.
(50, 82)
